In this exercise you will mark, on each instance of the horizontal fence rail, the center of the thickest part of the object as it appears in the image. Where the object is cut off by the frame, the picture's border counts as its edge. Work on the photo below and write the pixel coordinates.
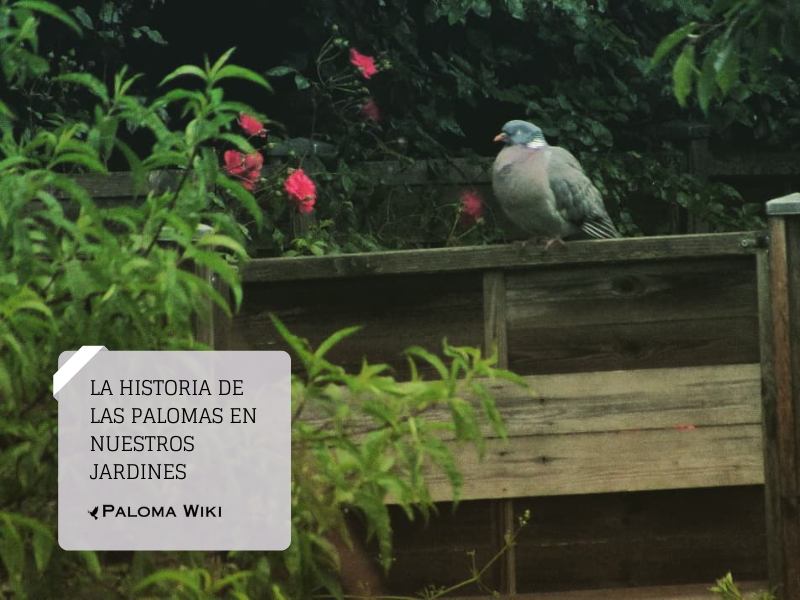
(474, 258)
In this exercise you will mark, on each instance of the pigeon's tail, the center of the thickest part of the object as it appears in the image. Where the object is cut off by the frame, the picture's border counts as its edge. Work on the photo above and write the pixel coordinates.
(600, 228)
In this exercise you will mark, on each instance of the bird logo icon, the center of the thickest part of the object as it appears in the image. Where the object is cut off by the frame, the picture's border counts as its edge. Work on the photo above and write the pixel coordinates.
(93, 512)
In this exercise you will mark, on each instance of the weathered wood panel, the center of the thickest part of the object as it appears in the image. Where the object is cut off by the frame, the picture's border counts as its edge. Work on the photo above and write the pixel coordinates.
(437, 552)
(594, 541)
(615, 431)
(640, 539)
(496, 340)
(501, 256)
(769, 429)
(782, 394)
(395, 312)
(633, 315)
(576, 403)
(588, 434)
(662, 592)
(647, 459)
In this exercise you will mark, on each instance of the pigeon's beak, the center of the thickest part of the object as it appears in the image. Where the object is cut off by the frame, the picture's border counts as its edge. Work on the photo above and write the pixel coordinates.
(500, 137)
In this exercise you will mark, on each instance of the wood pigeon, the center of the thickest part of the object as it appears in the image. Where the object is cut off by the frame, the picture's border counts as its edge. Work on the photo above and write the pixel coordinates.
(543, 190)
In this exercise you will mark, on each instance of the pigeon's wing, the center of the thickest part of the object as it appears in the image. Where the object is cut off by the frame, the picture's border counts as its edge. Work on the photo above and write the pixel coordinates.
(578, 201)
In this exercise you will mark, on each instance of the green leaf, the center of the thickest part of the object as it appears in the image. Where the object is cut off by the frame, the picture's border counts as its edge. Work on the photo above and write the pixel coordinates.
(298, 345)
(683, 74)
(51, 10)
(78, 159)
(301, 82)
(82, 16)
(12, 549)
(4, 110)
(92, 562)
(88, 81)
(153, 35)
(43, 544)
(236, 72)
(222, 241)
(13, 161)
(706, 83)
(490, 409)
(431, 359)
(240, 576)
(280, 71)
(669, 42)
(727, 67)
(334, 339)
(516, 8)
(180, 578)
(190, 70)
(482, 8)
(221, 61)
(240, 142)
(245, 198)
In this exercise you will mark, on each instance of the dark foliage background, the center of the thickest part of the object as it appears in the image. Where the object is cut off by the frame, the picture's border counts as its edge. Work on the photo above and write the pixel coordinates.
(452, 71)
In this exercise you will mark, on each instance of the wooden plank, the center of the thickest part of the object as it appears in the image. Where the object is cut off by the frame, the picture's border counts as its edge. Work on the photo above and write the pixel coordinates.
(634, 315)
(576, 403)
(494, 316)
(395, 312)
(769, 422)
(465, 171)
(501, 256)
(773, 164)
(615, 431)
(784, 395)
(591, 541)
(119, 185)
(648, 459)
(437, 551)
(640, 539)
(667, 592)
(495, 339)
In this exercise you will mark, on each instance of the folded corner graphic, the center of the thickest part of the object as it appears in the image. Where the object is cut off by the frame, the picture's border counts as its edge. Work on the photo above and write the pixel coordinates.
(72, 366)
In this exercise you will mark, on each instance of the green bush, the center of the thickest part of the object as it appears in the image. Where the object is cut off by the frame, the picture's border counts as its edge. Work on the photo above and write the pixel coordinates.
(74, 271)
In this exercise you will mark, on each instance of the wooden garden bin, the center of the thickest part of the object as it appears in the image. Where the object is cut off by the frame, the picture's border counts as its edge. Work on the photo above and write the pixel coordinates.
(642, 354)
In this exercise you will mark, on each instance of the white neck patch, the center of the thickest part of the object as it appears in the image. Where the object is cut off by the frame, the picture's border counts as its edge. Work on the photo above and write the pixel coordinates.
(536, 144)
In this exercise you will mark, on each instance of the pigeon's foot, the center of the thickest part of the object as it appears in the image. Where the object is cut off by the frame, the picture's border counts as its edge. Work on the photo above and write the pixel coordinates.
(544, 243)
(556, 241)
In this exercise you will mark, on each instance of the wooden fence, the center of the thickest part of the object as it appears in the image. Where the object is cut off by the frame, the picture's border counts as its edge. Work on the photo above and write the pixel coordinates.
(641, 451)
(644, 425)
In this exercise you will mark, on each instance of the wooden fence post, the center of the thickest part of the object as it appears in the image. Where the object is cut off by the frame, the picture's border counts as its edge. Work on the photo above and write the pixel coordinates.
(495, 337)
(781, 388)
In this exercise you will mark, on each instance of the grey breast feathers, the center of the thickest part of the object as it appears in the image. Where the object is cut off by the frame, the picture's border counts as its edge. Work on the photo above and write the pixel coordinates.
(521, 186)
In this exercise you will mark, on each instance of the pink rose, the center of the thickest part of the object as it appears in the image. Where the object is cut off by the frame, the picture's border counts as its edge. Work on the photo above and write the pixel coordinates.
(371, 111)
(364, 63)
(252, 126)
(302, 190)
(245, 167)
(472, 205)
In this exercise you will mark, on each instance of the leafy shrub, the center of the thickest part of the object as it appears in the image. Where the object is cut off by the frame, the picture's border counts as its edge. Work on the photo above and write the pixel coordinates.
(76, 271)
(726, 589)
(357, 438)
